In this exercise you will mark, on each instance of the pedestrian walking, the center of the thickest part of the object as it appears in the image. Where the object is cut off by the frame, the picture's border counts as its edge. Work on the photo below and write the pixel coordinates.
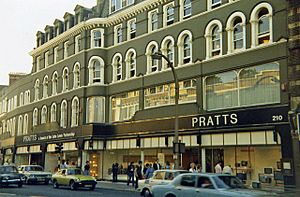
(156, 165)
(138, 174)
(218, 168)
(130, 173)
(149, 172)
(227, 169)
(115, 170)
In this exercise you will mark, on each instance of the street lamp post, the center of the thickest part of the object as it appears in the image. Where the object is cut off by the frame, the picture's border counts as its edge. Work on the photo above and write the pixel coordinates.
(176, 148)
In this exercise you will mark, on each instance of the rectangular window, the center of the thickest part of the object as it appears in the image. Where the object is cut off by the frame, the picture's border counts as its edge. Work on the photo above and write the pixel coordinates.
(66, 45)
(124, 106)
(38, 63)
(118, 34)
(131, 29)
(215, 3)
(95, 110)
(97, 38)
(153, 20)
(168, 14)
(77, 44)
(55, 58)
(47, 59)
(116, 5)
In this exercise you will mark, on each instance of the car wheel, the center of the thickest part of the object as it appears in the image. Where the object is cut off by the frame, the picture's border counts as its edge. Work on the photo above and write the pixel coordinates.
(147, 193)
(55, 184)
(72, 185)
(93, 187)
(170, 195)
(20, 184)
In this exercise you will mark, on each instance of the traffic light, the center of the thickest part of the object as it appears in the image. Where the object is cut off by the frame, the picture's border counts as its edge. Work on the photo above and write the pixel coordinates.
(138, 141)
(59, 147)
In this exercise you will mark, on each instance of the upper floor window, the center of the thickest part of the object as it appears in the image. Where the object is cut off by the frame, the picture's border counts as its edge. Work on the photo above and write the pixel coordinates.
(167, 49)
(37, 90)
(27, 97)
(236, 31)
(25, 125)
(130, 63)
(65, 79)
(55, 58)
(20, 125)
(47, 59)
(54, 83)
(44, 115)
(64, 114)
(187, 8)
(96, 70)
(35, 117)
(75, 112)
(185, 47)
(38, 63)
(118, 34)
(95, 109)
(213, 4)
(77, 44)
(66, 45)
(21, 100)
(152, 64)
(45, 87)
(131, 26)
(76, 74)
(213, 35)
(169, 14)
(250, 86)
(53, 113)
(261, 24)
(97, 38)
(116, 5)
(153, 20)
(117, 67)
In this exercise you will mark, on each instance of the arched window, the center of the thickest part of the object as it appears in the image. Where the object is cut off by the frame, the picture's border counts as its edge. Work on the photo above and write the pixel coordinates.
(117, 67)
(53, 113)
(45, 87)
(21, 99)
(261, 24)
(167, 49)
(213, 35)
(76, 74)
(75, 112)
(65, 78)
(152, 64)
(25, 125)
(20, 125)
(54, 83)
(64, 114)
(185, 47)
(96, 70)
(37, 90)
(130, 63)
(44, 115)
(236, 31)
(35, 117)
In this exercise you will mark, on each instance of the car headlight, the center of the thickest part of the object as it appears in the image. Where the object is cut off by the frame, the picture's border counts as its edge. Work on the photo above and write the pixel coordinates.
(77, 180)
(94, 179)
(5, 178)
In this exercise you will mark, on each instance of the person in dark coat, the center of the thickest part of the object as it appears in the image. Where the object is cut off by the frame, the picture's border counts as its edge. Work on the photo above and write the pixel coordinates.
(145, 168)
(130, 173)
(115, 170)
(138, 174)
(156, 165)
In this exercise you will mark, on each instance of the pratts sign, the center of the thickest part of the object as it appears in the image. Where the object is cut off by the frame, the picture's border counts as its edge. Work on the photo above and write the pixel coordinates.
(241, 118)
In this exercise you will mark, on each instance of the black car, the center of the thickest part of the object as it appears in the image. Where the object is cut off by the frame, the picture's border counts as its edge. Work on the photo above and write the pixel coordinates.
(9, 175)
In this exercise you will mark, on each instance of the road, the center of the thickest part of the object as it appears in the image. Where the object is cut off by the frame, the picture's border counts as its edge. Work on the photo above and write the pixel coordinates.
(49, 191)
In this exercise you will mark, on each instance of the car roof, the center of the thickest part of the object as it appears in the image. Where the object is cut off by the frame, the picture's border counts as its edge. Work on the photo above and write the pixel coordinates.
(168, 170)
(30, 166)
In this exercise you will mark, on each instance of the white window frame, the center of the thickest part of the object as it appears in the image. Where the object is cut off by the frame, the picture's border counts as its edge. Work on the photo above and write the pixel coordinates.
(37, 90)
(53, 112)
(151, 27)
(20, 125)
(38, 63)
(55, 58)
(117, 71)
(45, 86)
(208, 38)
(180, 45)
(77, 44)
(164, 50)
(130, 66)
(75, 112)
(66, 46)
(93, 38)
(148, 54)
(65, 79)
(118, 35)
(131, 31)
(46, 59)
(165, 13)
(182, 9)
(44, 112)
(64, 114)
(76, 75)
(127, 3)
(211, 5)
(230, 31)
(254, 20)
(25, 124)
(93, 80)
(54, 83)
(35, 117)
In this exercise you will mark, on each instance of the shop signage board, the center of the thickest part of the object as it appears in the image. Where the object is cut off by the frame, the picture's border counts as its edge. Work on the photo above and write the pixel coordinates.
(250, 117)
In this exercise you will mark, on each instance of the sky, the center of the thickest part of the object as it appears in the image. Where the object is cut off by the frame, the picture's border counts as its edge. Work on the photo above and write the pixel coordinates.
(20, 21)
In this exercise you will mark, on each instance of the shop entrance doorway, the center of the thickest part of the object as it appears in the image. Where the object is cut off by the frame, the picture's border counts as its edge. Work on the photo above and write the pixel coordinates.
(36, 159)
(213, 156)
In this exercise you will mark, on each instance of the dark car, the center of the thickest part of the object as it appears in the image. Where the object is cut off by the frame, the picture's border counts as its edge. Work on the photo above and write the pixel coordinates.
(9, 175)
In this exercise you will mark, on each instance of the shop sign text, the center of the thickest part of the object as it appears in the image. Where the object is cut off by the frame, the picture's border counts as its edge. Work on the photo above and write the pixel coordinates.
(215, 120)
(33, 138)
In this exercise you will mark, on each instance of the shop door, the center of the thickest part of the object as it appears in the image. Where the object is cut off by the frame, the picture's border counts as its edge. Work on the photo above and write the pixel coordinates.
(213, 156)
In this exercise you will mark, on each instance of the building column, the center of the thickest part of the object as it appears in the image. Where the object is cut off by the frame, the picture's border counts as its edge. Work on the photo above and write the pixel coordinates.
(43, 148)
(203, 160)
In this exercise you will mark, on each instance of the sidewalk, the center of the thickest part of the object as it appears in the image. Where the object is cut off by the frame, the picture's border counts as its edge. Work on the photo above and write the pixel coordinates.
(121, 186)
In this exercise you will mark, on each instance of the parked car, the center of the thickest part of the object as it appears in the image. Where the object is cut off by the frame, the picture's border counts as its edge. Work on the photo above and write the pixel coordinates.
(9, 175)
(35, 174)
(74, 178)
(159, 177)
(206, 185)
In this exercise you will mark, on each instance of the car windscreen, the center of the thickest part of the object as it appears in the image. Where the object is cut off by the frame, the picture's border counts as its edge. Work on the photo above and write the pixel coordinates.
(232, 182)
(8, 169)
(74, 172)
(219, 183)
(33, 168)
